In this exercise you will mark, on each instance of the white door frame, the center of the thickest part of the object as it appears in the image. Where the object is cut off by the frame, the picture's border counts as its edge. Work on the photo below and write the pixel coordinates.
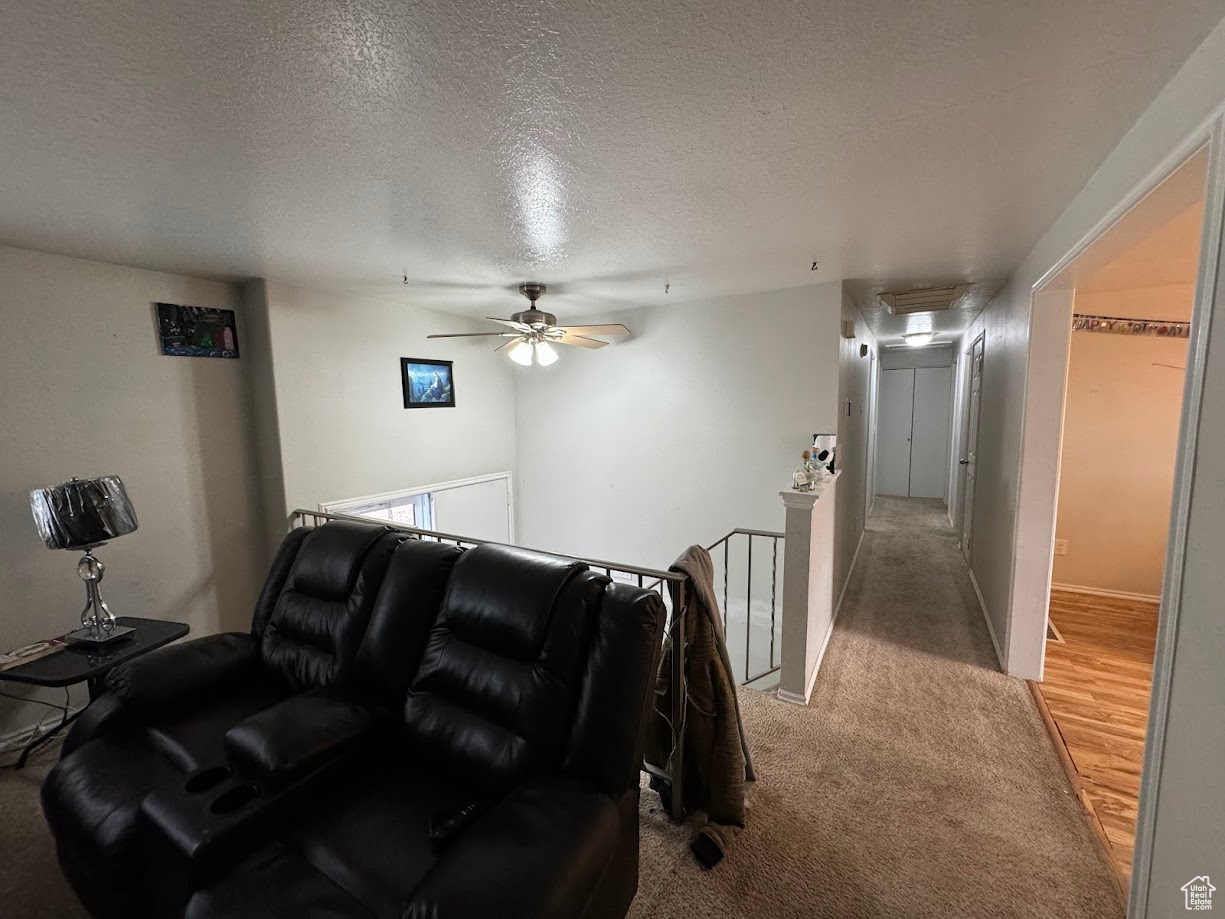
(1212, 135)
(966, 507)
(873, 388)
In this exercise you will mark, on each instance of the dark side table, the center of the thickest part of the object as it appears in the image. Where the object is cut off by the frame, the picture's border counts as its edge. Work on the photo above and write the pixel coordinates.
(81, 664)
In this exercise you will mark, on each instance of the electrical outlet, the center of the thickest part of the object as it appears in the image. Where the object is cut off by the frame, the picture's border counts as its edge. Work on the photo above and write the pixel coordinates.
(1061, 547)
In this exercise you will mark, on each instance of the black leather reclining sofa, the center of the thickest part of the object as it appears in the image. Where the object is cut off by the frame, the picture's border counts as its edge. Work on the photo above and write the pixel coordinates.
(409, 730)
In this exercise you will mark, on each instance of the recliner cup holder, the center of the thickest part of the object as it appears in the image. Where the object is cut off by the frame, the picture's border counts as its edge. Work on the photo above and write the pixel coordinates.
(204, 779)
(232, 799)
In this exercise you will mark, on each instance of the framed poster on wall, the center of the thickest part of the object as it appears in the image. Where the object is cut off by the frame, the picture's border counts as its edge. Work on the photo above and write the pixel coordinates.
(196, 331)
(427, 384)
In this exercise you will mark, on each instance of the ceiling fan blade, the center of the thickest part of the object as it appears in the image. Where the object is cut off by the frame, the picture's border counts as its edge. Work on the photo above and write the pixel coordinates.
(571, 339)
(615, 329)
(476, 335)
(507, 344)
(521, 326)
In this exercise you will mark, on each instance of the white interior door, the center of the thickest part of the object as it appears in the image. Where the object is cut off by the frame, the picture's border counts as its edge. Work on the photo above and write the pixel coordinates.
(480, 510)
(893, 432)
(971, 447)
(929, 438)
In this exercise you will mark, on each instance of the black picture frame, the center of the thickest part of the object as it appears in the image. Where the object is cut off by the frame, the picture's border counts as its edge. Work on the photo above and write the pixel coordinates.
(435, 392)
(196, 331)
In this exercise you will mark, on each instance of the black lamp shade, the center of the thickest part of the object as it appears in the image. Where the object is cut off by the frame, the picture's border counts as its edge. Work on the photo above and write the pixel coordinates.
(83, 512)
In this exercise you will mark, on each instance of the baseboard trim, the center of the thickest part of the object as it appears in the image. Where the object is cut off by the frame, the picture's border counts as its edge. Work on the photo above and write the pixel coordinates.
(15, 740)
(982, 605)
(847, 583)
(1103, 592)
(796, 698)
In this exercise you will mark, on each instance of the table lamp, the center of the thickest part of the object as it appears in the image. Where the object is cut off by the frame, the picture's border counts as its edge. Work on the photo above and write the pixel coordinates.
(84, 514)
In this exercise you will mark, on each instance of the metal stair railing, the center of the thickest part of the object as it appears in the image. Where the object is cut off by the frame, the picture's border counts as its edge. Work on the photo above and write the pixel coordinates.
(670, 585)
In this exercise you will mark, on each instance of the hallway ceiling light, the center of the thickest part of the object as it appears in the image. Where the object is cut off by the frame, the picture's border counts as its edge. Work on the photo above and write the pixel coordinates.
(919, 339)
(536, 332)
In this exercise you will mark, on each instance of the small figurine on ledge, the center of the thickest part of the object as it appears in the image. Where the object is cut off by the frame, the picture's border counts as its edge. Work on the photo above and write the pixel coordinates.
(805, 477)
(825, 451)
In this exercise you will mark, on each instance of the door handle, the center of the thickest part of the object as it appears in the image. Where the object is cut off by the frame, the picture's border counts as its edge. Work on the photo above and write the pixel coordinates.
(963, 462)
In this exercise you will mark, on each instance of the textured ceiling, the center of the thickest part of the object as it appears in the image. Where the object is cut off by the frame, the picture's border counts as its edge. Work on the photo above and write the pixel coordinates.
(602, 148)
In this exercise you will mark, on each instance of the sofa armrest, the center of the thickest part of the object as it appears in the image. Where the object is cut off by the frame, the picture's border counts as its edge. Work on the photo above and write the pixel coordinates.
(297, 735)
(177, 674)
(540, 852)
(102, 716)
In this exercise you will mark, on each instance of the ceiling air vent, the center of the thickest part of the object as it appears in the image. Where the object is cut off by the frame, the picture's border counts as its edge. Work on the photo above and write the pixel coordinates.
(923, 300)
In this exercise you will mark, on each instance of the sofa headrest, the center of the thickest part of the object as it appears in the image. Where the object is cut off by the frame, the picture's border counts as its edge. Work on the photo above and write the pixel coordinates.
(502, 597)
(331, 558)
(404, 613)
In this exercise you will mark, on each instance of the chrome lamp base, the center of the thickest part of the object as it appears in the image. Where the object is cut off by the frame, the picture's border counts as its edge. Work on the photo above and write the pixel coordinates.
(97, 622)
(102, 637)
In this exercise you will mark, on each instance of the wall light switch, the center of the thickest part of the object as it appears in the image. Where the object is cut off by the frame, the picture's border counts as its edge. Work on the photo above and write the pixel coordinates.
(1061, 547)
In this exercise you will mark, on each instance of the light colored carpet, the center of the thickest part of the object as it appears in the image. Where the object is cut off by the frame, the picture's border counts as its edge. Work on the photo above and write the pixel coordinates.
(31, 886)
(918, 783)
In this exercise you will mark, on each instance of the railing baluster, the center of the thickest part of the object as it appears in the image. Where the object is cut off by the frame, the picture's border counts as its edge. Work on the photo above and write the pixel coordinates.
(727, 539)
(680, 697)
(773, 588)
(748, 607)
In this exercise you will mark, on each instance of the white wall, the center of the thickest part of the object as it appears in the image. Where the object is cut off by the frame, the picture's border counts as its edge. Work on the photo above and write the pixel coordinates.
(1119, 440)
(335, 424)
(86, 392)
(854, 384)
(930, 356)
(681, 433)
(1023, 391)
(1015, 521)
(1182, 785)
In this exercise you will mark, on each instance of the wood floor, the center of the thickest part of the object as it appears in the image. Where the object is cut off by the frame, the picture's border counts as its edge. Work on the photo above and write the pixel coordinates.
(1096, 688)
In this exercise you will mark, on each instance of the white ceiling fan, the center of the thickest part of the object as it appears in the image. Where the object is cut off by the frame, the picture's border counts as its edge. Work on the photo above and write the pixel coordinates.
(536, 332)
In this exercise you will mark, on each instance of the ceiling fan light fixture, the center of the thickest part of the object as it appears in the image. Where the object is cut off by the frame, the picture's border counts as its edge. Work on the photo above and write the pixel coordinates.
(536, 333)
(520, 352)
(919, 339)
(545, 353)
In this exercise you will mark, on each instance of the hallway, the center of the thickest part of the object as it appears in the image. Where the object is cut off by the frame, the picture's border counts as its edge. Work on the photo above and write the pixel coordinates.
(918, 782)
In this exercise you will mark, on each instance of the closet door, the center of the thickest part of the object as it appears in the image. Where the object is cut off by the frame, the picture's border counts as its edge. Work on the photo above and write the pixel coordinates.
(893, 432)
(929, 437)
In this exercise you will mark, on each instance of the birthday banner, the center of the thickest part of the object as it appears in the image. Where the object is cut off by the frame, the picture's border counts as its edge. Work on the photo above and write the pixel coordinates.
(1117, 326)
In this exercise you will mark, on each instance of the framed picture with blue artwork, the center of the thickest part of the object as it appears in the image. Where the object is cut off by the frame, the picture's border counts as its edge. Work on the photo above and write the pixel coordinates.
(196, 331)
(427, 384)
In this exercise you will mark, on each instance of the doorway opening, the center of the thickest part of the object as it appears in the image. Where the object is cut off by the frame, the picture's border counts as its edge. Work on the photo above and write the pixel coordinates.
(1127, 302)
